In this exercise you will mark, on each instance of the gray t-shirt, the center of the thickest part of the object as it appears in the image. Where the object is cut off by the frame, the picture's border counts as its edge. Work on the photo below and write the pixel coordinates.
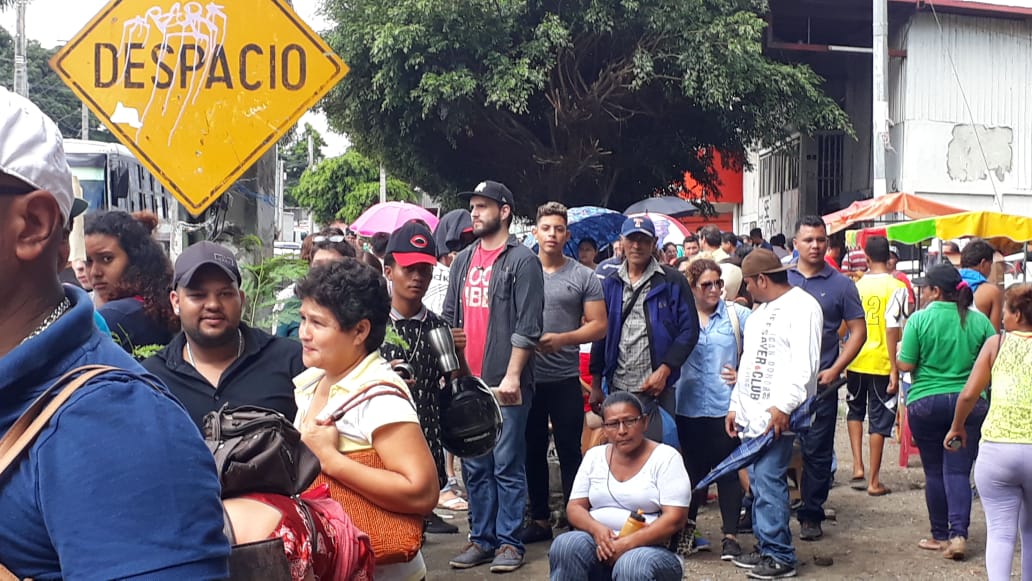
(566, 291)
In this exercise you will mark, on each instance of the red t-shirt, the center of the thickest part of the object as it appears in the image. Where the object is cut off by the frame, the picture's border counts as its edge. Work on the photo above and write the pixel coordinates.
(476, 305)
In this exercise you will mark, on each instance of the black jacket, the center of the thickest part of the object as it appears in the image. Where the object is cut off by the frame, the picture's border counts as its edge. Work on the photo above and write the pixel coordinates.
(263, 376)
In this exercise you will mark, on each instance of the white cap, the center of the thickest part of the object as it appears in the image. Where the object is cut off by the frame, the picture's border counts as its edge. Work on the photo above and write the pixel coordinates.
(32, 150)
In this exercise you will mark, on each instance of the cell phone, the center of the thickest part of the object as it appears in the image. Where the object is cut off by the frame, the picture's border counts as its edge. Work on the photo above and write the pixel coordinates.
(953, 443)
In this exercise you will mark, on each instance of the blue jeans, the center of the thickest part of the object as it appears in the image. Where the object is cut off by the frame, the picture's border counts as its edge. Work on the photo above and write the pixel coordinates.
(947, 474)
(818, 446)
(497, 483)
(572, 558)
(770, 510)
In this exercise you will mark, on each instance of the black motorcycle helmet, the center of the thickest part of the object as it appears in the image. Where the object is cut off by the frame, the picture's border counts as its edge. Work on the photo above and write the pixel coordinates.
(471, 421)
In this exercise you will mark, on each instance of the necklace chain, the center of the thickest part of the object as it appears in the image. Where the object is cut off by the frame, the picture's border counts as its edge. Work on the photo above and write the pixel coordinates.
(240, 348)
(61, 309)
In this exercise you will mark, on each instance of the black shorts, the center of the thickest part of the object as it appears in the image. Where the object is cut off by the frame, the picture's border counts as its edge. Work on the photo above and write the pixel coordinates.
(866, 396)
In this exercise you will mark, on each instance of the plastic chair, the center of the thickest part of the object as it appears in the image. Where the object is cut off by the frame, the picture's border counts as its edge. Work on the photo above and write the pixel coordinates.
(906, 448)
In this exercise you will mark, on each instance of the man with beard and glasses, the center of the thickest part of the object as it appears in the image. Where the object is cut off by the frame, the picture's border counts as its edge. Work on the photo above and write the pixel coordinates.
(119, 484)
(217, 359)
(496, 295)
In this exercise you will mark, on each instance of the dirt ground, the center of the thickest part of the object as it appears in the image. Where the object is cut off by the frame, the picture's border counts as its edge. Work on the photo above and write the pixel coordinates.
(870, 538)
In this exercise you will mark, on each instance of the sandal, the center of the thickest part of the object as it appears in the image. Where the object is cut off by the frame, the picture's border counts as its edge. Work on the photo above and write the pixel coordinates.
(455, 504)
(932, 545)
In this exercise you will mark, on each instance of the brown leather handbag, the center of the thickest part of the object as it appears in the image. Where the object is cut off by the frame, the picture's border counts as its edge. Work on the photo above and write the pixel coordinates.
(396, 537)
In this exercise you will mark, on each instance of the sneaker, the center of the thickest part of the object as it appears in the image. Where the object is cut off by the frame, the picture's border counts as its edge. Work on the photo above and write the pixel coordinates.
(729, 549)
(768, 568)
(810, 531)
(471, 556)
(699, 543)
(535, 533)
(747, 561)
(435, 525)
(507, 558)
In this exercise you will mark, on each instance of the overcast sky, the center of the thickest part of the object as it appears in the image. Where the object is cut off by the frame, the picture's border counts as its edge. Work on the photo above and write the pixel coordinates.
(53, 22)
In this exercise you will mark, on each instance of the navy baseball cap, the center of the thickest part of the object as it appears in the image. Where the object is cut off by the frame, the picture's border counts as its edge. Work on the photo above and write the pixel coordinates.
(493, 190)
(202, 254)
(638, 225)
(413, 243)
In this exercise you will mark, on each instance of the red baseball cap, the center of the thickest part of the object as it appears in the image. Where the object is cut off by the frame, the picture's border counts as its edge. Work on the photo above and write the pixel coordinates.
(413, 243)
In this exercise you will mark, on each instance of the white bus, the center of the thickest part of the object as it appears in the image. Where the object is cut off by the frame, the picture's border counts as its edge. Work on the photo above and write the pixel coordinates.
(113, 179)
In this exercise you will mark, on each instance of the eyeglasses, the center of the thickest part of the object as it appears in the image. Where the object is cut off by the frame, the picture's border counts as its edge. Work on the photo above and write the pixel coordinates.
(334, 238)
(616, 424)
(707, 286)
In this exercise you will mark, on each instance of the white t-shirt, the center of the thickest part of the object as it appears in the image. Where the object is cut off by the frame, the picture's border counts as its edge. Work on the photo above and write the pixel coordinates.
(661, 481)
(780, 356)
(435, 293)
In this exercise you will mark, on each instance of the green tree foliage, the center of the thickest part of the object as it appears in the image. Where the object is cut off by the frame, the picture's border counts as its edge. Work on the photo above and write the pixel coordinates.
(294, 153)
(344, 187)
(599, 101)
(46, 89)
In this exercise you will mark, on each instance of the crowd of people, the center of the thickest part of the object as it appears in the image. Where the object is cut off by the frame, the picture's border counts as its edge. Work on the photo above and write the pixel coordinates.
(669, 359)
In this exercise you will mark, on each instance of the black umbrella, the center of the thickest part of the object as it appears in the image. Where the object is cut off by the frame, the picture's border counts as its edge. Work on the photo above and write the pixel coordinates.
(454, 231)
(669, 205)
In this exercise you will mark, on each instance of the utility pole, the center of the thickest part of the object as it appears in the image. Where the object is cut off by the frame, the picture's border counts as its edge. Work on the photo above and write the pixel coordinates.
(880, 92)
(383, 184)
(21, 75)
(311, 150)
(85, 123)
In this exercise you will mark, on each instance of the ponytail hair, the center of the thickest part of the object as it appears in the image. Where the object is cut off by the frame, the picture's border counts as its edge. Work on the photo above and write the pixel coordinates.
(963, 296)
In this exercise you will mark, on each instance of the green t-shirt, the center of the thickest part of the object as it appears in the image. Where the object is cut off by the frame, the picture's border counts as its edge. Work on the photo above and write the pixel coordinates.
(942, 351)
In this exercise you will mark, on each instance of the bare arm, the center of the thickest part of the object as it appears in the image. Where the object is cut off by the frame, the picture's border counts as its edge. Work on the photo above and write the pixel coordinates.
(408, 482)
(981, 373)
(857, 337)
(892, 336)
(592, 328)
(508, 389)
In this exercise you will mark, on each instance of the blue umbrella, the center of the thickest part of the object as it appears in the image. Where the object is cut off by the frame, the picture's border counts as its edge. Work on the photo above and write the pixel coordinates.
(747, 453)
(599, 224)
(670, 205)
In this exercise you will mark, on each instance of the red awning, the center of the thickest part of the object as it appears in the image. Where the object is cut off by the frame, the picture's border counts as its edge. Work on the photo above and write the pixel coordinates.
(912, 206)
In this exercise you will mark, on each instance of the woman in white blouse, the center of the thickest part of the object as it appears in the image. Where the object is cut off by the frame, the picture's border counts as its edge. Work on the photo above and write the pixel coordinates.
(629, 474)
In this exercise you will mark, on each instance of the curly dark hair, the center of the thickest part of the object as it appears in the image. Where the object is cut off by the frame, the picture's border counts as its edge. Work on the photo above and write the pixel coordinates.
(149, 274)
(351, 291)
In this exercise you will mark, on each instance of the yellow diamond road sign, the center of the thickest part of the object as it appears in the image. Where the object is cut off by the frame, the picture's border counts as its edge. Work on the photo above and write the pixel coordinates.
(198, 90)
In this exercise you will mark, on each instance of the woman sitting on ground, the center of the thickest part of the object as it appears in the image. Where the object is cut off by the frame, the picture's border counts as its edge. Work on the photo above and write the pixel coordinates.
(1003, 471)
(344, 314)
(940, 345)
(630, 473)
(131, 277)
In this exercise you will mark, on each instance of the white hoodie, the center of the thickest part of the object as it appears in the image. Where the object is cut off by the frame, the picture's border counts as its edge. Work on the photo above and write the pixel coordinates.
(780, 360)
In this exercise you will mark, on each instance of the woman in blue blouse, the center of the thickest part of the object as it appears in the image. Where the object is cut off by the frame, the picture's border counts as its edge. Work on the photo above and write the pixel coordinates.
(704, 393)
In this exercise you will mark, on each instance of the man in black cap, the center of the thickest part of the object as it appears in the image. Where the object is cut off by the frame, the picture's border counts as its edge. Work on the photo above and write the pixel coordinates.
(408, 265)
(496, 294)
(217, 359)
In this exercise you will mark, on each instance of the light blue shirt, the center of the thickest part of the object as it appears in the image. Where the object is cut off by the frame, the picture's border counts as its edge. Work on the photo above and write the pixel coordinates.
(701, 393)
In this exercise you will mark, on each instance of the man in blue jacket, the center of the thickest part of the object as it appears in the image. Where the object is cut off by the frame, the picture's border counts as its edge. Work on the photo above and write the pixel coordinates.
(119, 484)
(653, 327)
